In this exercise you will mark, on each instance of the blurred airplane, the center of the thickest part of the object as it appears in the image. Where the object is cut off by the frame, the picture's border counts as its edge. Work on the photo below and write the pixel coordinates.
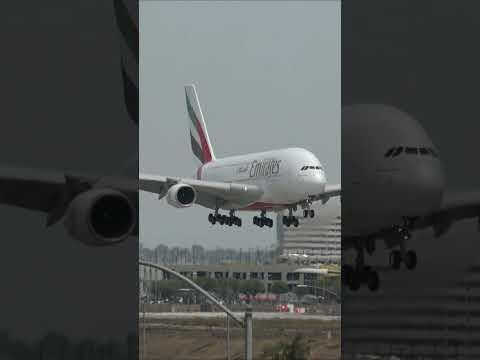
(394, 185)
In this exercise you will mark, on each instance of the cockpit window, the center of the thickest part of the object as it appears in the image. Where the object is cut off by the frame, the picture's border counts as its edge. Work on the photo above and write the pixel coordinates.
(410, 150)
(398, 151)
(390, 151)
(310, 167)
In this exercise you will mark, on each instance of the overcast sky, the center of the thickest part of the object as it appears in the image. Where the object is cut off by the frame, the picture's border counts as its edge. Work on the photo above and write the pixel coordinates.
(267, 75)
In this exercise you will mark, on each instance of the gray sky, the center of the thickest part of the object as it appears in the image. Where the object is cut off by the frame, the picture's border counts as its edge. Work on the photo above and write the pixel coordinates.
(267, 75)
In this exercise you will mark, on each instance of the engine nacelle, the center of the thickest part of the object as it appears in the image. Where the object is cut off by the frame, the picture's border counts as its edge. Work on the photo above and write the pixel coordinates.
(101, 217)
(181, 195)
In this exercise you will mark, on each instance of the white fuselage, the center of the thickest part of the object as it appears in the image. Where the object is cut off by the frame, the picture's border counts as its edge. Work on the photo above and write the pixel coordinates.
(378, 191)
(278, 173)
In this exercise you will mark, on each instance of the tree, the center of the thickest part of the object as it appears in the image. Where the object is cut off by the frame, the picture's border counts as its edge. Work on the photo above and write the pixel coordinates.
(279, 287)
(297, 349)
(251, 287)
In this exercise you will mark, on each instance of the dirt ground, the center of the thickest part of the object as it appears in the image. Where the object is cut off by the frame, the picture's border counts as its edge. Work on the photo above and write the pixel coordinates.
(205, 339)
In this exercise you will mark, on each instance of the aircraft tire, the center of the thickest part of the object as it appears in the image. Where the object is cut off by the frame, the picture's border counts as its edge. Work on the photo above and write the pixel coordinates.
(305, 213)
(411, 260)
(373, 281)
(354, 283)
(395, 259)
(347, 272)
(312, 213)
(295, 222)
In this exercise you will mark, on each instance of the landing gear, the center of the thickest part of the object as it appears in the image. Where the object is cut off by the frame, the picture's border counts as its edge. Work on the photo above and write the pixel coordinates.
(307, 213)
(409, 259)
(290, 219)
(224, 219)
(353, 277)
(262, 220)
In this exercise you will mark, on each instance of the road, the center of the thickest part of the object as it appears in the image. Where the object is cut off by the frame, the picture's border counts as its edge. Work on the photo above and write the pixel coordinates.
(256, 315)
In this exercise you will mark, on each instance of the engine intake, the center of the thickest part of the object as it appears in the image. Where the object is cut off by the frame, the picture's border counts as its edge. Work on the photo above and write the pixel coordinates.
(181, 195)
(101, 217)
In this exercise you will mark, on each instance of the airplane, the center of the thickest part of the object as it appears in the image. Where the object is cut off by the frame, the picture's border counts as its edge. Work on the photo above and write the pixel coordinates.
(266, 181)
(394, 184)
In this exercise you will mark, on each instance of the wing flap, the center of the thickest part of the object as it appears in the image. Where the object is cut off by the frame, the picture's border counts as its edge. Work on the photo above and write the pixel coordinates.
(233, 192)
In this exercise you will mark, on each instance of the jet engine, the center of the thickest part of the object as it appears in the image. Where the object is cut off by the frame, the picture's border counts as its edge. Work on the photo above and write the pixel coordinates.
(101, 217)
(181, 195)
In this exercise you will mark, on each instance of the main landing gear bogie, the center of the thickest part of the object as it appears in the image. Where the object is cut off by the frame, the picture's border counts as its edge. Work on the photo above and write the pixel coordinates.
(263, 220)
(355, 277)
(308, 213)
(290, 220)
(409, 259)
(224, 219)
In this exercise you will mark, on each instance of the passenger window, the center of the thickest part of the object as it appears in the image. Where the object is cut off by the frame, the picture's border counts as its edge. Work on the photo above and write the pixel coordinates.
(411, 150)
(424, 151)
(398, 151)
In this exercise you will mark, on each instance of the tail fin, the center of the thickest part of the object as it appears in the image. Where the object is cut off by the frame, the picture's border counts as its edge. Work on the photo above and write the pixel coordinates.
(201, 146)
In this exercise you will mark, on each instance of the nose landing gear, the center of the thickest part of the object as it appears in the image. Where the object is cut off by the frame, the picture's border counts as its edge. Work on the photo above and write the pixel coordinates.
(409, 258)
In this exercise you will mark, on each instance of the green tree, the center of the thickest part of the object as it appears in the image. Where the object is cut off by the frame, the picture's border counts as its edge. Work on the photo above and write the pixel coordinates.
(296, 349)
(251, 287)
(279, 287)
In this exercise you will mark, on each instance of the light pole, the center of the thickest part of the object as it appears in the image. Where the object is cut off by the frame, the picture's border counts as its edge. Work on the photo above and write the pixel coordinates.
(246, 323)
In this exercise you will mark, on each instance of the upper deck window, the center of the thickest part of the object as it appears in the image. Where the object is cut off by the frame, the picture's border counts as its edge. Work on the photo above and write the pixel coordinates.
(411, 150)
(424, 151)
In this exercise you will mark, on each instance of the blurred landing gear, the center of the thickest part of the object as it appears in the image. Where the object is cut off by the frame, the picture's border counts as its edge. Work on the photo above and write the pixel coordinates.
(290, 219)
(354, 277)
(409, 259)
(370, 246)
(224, 219)
(307, 213)
(262, 220)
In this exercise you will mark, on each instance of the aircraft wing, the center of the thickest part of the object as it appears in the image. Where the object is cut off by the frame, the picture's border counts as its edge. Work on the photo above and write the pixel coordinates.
(51, 191)
(208, 192)
(330, 191)
(456, 206)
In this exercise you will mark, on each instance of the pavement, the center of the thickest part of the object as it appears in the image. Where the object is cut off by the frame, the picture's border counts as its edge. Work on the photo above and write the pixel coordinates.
(256, 315)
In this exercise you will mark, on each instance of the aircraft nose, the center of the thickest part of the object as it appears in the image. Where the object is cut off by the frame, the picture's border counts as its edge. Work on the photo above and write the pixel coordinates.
(426, 186)
(316, 183)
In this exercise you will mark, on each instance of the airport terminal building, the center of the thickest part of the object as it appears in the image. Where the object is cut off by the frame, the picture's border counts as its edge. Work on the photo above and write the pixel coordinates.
(315, 240)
